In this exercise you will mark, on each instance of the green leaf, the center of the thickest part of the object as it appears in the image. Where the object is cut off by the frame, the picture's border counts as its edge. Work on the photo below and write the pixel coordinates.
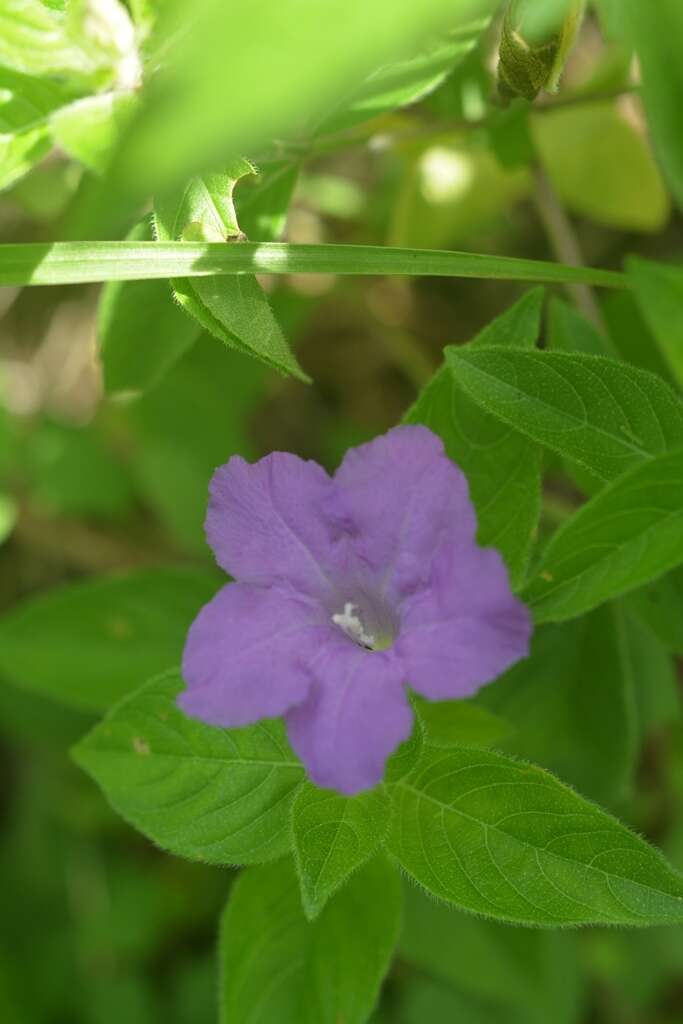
(85, 262)
(94, 48)
(102, 638)
(502, 468)
(629, 333)
(34, 40)
(235, 309)
(660, 606)
(184, 428)
(141, 330)
(218, 795)
(659, 292)
(655, 31)
(278, 968)
(569, 331)
(20, 152)
(619, 185)
(262, 200)
(507, 840)
(536, 976)
(74, 470)
(26, 99)
(518, 327)
(406, 81)
(457, 723)
(600, 413)
(333, 836)
(24, 139)
(89, 129)
(407, 755)
(285, 63)
(577, 677)
(657, 700)
(628, 534)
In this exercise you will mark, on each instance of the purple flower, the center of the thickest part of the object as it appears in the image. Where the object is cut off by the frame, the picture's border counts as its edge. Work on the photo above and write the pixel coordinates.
(350, 589)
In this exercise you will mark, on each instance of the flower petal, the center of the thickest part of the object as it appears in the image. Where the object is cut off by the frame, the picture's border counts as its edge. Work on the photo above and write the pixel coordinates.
(357, 713)
(466, 630)
(266, 525)
(244, 656)
(403, 497)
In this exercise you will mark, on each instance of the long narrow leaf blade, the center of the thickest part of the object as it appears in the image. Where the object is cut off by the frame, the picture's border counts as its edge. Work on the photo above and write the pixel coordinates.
(86, 262)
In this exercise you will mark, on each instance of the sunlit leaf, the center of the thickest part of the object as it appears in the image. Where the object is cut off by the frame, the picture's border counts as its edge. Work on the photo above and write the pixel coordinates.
(234, 308)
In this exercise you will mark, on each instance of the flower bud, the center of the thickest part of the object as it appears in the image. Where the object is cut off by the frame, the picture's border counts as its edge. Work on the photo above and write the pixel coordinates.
(535, 41)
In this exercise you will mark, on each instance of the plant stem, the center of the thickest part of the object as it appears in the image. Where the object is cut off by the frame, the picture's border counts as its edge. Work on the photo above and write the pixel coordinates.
(565, 245)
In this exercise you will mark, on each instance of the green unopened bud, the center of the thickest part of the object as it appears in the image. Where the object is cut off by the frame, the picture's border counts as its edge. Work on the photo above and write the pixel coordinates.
(536, 39)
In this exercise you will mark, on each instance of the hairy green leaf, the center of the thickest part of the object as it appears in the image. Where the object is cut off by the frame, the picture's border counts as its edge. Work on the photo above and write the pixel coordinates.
(234, 309)
(458, 723)
(507, 840)
(501, 466)
(218, 795)
(333, 835)
(262, 200)
(628, 534)
(102, 638)
(569, 331)
(600, 413)
(277, 968)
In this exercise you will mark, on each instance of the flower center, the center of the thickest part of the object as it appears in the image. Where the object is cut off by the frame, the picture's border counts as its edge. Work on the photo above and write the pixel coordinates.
(351, 622)
(352, 625)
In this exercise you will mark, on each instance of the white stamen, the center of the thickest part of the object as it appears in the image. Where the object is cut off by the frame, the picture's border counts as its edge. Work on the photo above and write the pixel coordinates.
(353, 626)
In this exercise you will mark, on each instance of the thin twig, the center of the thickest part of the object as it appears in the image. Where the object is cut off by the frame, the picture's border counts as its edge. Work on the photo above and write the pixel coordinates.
(565, 245)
